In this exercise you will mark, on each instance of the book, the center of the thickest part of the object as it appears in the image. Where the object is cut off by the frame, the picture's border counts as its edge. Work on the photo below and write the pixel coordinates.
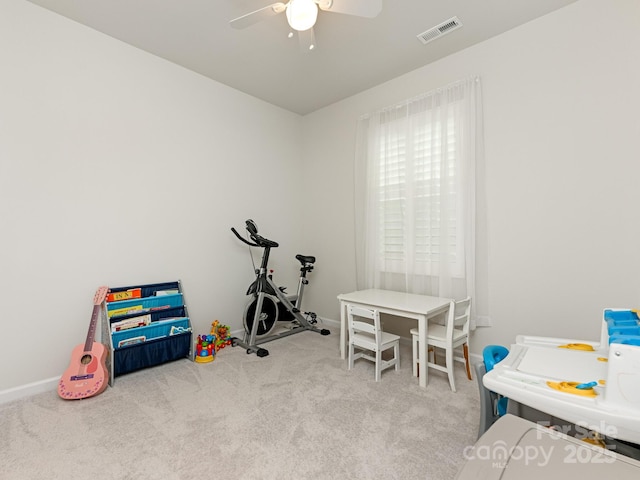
(124, 295)
(160, 293)
(124, 311)
(133, 322)
(131, 341)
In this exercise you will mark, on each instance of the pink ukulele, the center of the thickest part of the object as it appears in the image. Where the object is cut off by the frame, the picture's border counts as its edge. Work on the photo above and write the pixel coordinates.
(87, 373)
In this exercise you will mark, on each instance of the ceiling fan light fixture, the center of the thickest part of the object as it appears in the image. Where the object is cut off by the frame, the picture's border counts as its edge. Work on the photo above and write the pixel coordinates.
(302, 14)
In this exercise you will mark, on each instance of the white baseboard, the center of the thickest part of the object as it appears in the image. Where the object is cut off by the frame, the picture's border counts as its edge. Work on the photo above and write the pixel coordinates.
(29, 389)
(475, 358)
(330, 321)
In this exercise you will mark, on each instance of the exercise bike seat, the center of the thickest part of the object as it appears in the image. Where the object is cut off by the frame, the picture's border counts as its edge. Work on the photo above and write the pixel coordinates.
(304, 259)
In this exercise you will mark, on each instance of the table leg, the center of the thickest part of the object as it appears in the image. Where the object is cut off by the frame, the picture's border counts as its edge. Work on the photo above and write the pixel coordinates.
(422, 351)
(343, 331)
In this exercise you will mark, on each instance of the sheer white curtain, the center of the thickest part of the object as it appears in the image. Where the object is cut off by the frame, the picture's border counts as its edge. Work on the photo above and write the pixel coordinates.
(415, 193)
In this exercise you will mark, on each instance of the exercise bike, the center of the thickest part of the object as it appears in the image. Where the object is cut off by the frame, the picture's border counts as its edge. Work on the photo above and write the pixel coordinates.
(269, 301)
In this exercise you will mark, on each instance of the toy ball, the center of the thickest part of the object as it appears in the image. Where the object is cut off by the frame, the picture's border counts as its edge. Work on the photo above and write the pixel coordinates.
(204, 353)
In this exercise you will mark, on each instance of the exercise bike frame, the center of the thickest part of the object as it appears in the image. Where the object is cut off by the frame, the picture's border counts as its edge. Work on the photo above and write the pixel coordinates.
(264, 286)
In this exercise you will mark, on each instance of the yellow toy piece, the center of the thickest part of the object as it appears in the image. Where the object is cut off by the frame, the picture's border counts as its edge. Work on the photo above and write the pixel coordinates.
(595, 439)
(578, 346)
(207, 359)
(571, 387)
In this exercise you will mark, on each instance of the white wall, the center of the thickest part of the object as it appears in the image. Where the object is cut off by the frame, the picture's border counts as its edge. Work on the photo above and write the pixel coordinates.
(116, 168)
(559, 228)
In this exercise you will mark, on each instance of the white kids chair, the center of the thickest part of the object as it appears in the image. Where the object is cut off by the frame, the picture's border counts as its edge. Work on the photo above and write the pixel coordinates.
(366, 335)
(453, 334)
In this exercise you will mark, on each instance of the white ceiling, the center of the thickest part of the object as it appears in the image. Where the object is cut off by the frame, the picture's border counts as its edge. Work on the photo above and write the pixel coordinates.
(351, 55)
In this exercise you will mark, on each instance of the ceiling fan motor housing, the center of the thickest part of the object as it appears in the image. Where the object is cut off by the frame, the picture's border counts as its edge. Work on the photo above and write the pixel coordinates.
(302, 14)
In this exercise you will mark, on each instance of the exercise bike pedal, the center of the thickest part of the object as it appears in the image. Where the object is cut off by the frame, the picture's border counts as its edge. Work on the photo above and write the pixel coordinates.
(262, 352)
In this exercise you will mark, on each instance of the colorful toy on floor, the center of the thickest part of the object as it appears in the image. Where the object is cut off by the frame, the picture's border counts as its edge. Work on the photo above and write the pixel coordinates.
(222, 334)
(205, 349)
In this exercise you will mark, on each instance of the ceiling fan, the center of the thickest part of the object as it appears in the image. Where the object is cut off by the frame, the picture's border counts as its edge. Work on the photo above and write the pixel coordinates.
(302, 14)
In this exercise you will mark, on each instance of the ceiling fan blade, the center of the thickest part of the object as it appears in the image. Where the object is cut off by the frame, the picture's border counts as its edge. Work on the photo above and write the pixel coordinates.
(360, 8)
(258, 15)
(307, 40)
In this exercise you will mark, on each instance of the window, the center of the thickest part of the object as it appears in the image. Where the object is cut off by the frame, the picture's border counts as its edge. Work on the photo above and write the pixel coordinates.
(413, 181)
(415, 193)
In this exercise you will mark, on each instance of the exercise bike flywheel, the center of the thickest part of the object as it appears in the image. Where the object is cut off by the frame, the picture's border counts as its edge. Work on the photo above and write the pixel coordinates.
(268, 316)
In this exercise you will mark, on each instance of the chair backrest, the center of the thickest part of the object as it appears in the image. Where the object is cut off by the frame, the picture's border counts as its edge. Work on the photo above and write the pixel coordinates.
(459, 316)
(368, 321)
(492, 354)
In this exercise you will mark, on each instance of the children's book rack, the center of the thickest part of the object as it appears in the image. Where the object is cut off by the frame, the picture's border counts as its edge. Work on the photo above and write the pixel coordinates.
(145, 325)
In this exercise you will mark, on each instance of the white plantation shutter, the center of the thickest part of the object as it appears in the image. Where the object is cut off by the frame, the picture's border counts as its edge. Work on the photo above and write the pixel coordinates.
(410, 180)
(415, 193)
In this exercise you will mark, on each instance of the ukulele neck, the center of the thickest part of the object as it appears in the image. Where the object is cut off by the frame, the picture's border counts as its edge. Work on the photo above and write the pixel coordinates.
(91, 334)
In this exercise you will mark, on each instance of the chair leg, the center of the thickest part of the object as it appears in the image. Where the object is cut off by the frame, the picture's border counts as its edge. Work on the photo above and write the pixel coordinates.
(415, 355)
(378, 364)
(465, 349)
(449, 360)
(351, 353)
(396, 355)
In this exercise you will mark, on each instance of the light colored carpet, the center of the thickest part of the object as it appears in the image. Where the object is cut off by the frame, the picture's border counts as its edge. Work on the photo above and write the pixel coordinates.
(296, 414)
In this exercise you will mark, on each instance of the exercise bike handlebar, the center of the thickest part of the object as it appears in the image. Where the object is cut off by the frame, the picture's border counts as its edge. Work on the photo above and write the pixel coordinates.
(259, 240)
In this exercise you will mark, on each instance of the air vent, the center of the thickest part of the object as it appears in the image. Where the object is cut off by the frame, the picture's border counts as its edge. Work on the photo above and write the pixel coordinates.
(439, 30)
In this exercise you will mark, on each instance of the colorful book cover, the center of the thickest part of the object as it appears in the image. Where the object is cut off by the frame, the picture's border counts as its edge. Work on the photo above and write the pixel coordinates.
(132, 341)
(140, 321)
(124, 311)
(124, 295)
